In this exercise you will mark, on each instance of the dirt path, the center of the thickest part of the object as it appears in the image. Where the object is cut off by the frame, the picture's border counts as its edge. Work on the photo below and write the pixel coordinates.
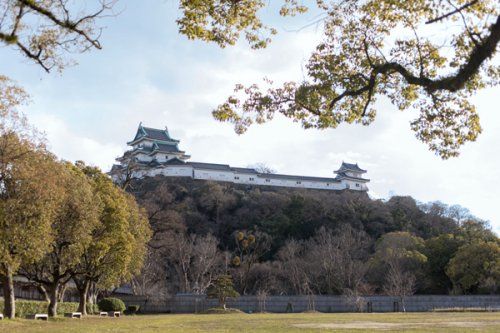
(373, 325)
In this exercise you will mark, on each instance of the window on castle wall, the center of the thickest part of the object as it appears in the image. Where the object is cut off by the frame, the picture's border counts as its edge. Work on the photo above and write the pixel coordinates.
(236, 177)
(357, 185)
(251, 179)
(299, 183)
(268, 180)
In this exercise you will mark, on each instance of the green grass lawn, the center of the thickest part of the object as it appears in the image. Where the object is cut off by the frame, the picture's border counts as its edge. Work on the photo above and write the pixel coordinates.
(289, 323)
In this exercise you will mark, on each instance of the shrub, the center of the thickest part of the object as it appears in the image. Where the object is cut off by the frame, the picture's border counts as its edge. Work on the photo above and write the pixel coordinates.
(92, 308)
(111, 304)
(65, 307)
(26, 308)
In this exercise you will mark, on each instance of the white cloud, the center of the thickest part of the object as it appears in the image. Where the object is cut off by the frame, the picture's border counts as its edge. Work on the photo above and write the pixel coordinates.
(68, 144)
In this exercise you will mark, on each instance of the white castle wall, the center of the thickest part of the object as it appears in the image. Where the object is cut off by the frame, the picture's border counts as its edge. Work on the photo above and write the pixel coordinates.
(143, 157)
(245, 178)
(180, 171)
(218, 175)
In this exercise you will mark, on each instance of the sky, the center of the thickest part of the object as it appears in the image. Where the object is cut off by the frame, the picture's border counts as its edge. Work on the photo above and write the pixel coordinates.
(148, 72)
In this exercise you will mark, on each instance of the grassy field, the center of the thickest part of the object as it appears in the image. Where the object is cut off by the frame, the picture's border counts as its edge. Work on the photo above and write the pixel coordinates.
(289, 323)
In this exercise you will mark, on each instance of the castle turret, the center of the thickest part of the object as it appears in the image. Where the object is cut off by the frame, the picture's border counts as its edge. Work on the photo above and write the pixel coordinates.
(351, 175)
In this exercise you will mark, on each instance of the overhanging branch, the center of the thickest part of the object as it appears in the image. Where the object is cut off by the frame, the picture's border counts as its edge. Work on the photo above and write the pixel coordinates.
(481, 52)
(457, 10)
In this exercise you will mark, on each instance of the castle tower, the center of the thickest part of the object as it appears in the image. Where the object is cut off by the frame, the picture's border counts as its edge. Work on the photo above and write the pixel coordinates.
(351, 175)
(151, 144)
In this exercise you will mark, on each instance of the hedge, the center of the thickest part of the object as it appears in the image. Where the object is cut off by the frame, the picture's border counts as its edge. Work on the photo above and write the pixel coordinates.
(111, 304)
(26, 308)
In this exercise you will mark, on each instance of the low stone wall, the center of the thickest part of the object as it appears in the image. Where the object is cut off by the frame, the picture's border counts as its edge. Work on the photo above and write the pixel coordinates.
(281, 304)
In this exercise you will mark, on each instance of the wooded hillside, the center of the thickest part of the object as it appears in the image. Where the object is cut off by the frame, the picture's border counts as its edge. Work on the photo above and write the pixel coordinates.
(290, 241)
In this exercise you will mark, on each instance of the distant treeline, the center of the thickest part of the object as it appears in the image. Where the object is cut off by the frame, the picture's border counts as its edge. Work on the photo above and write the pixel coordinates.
(291, 241)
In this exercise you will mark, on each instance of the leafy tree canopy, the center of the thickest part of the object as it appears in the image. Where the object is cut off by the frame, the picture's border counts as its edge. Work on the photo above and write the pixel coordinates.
(28, 191)
(221, 289)
(401, 247)
(119, 239)
(439, 250)
(421, 54)
(475, 264)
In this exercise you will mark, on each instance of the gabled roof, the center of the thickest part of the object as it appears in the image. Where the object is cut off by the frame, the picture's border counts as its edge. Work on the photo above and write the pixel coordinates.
(210, 166)
(161, 135)
(154, 163)
(158, 134)
(174, 161)
(165, 148)
(350, 167)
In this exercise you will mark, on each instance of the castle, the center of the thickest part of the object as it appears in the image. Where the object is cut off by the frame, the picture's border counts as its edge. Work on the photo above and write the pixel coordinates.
(154, 153)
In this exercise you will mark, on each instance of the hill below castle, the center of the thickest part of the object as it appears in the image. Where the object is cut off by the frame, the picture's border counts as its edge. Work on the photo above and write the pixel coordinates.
(298, 241)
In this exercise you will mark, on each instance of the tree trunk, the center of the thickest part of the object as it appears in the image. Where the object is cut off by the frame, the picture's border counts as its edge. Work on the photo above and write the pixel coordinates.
(90, 299)
(92, 293)
(187, 289)
(44, 292)
(224, 305)
(83, 291)
(9, 310)
(61, 293)
(53, 295)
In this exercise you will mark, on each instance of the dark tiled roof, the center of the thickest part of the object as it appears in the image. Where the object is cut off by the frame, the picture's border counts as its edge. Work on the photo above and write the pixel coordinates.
(157, 134)
(225, 167)
(165, 148)
(153, 134)
(210, 166)
(244, 170)
(157, 147)
(144, 163)
(350, 167)
(154, 163)
(175, 161)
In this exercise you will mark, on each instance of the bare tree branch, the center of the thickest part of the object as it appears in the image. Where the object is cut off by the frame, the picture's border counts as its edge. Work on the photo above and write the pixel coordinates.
(457, 10)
